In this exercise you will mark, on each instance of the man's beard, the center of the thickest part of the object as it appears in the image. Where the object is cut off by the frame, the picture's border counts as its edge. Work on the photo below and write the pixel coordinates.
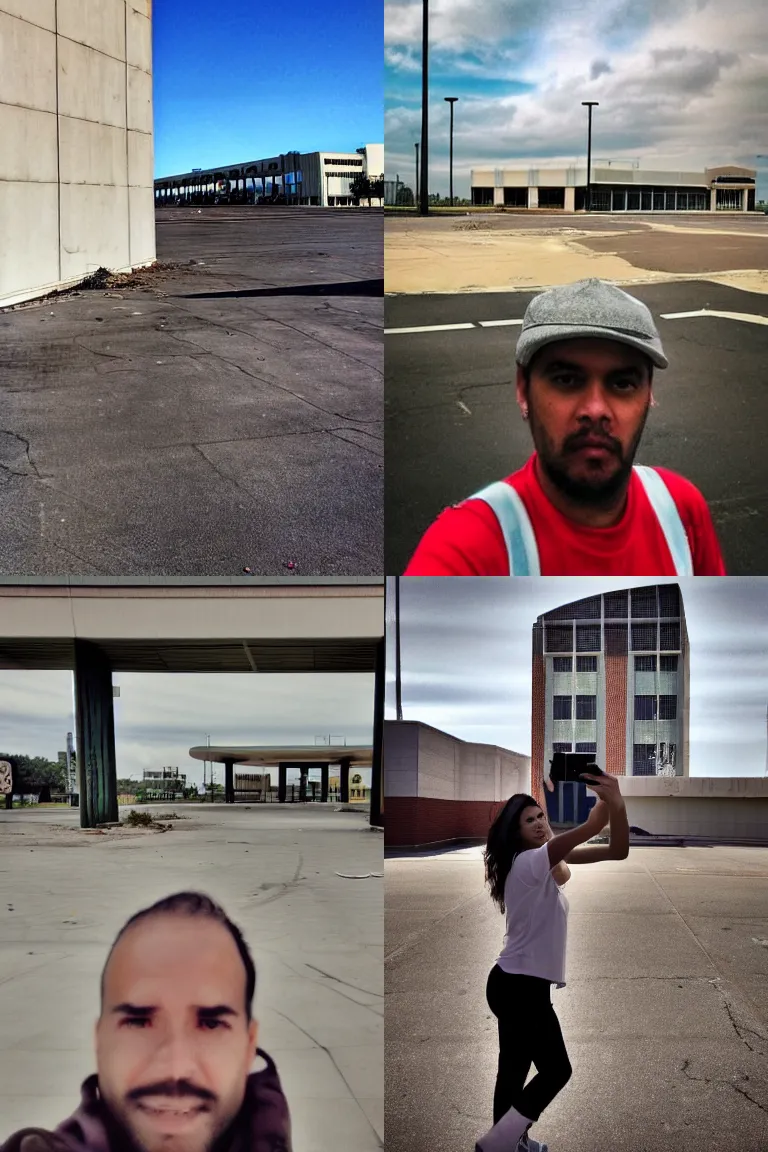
(122, 1139)
(600, 492)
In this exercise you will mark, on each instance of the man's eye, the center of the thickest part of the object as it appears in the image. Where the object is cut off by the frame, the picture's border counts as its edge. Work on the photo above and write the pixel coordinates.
(628, 385)
(212, 1025)
(135, 1022)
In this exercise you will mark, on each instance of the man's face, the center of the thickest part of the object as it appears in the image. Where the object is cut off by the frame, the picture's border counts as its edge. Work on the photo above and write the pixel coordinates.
(173, 1042)
(587, 403)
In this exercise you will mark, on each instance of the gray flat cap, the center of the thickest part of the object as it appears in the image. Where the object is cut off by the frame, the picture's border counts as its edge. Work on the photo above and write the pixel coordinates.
(588, 308)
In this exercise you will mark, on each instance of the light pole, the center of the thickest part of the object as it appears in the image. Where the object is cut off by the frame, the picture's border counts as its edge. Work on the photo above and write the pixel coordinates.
(590, 104)
(424, 181)
(416, 195)
(760, 156)
(451, 100)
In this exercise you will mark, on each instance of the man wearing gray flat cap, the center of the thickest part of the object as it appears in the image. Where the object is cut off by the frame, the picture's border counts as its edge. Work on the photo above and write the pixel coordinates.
(580, 506)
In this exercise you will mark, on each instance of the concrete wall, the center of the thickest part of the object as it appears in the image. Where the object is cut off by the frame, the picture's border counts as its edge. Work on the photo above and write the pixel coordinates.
(438, 788)
(76, 162)
(727, 807)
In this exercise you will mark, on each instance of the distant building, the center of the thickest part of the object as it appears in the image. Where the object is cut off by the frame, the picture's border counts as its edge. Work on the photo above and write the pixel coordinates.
(319, 178)
(165, 784)
(624, 188)
(611, 677)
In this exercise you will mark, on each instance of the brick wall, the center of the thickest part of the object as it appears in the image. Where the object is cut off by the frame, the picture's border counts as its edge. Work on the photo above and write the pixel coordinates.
(615, 715)
(414, 820)
(538, 706)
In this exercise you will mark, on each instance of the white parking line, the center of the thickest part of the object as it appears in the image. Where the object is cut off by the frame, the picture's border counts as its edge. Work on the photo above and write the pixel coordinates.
(428, 328)
(746, 317)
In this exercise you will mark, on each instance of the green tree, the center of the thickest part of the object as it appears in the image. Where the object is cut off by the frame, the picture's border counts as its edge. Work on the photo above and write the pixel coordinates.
(360, 189)
(377, 187)
(405, 196)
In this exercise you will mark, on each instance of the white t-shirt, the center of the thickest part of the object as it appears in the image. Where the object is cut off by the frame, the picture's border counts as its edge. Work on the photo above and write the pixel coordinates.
(537, 919)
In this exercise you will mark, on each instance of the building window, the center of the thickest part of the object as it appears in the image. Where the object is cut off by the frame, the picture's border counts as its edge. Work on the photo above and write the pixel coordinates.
(645, 707)
(588, 609)
(668, 663)
(559, 639)
(670, 638)
(644, 603)
(562, 707)
(669, 601)
(586, 746)
(586, 663)
(645, 663)
(588, 638)
(615, 605)
(586, 707)
(562, 664)
(667, 707)
(643, 637)
(559, 746)
(644, 760)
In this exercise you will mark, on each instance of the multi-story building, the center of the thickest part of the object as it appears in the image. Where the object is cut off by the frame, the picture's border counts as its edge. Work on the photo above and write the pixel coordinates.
(611, 677)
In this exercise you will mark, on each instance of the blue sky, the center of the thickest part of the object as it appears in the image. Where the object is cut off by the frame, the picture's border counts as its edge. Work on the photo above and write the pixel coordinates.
(466, 660)
(681, 86)
(158, 718)
(244, 80)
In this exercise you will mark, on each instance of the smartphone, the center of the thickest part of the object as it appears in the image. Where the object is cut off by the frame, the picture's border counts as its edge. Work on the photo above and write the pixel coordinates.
(569, 767)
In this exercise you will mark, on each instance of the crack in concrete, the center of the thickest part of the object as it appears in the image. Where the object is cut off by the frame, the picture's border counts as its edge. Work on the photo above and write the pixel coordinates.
(23, 440)
(347, 983)
(728, 1083)
(330, 1056)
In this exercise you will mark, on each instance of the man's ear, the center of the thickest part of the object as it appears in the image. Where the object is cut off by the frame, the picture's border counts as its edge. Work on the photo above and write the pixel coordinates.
(521, 387)
(653, 403)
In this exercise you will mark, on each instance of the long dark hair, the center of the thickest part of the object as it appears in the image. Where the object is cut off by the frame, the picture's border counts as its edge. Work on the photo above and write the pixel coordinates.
(504, 844)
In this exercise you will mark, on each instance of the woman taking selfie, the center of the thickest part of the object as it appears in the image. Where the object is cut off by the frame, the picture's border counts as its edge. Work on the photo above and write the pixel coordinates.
(526, 865)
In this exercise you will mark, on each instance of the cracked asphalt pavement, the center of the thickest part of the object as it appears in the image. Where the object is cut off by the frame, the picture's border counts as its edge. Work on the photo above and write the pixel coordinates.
(226, 412)
(664, 1014)
(452, 423)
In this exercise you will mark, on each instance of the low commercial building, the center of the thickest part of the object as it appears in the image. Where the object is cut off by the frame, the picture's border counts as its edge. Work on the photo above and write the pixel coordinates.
(319, 178)
(439, 790)
(616, 187)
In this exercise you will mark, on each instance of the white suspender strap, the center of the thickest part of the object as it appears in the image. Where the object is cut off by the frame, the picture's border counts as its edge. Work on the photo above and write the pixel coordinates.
(515, 527)
(668, 517)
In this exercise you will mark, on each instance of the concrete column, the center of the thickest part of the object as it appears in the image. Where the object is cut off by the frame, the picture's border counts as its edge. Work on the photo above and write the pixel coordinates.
(282, 782)
(303, 773)
(533, 197)
(713, 200)
(377, 782)
(324, 784)
(498, 197)
(344, 780)
(229, 782)
(744, 200)
(96, 759)
(570, 199)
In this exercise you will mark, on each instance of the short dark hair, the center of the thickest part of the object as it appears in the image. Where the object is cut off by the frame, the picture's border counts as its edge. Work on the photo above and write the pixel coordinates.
(194, 904)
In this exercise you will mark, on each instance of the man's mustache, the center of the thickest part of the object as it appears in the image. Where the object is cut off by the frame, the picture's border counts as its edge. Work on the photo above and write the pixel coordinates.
(591, 436)
(174, 1089)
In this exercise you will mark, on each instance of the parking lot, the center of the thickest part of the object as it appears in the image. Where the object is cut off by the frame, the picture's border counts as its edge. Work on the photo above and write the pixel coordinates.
(452, 423)
(664, 1015)
(221, 411)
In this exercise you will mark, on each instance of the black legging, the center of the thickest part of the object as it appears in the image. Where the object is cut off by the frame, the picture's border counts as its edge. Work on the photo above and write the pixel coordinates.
(529, 1033)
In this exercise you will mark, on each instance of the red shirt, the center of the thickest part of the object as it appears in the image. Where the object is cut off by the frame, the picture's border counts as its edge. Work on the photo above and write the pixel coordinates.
(466, 540)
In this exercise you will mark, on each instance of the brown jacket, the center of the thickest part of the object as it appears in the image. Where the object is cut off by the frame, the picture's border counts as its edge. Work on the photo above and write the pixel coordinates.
(262, 1125)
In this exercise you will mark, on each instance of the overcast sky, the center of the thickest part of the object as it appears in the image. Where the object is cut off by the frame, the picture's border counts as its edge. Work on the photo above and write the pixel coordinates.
(466, 659)
(160, 717)
(680, 86)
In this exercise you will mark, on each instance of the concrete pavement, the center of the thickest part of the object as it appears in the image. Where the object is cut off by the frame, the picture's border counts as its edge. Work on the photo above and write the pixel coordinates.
(665, 1012)
(317, 941)
(219, 412)
(452, 423)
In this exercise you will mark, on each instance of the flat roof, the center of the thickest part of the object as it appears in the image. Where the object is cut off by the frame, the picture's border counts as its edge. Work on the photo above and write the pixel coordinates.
(269, 756)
